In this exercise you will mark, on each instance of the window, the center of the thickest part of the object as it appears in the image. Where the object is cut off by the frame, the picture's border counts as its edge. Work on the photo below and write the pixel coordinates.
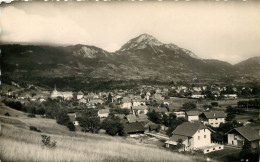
(198, 137)
(219, 147)
(213, 148)
(205, 136)
(207, 150)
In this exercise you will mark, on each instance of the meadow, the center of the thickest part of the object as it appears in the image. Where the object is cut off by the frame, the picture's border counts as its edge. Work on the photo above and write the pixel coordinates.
(18, 143)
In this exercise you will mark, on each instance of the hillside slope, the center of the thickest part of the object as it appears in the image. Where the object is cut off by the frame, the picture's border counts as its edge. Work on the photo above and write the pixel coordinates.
(20, 144)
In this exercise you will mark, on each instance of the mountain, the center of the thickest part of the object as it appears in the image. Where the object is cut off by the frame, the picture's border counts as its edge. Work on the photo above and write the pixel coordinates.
(249, 67)
(143, 57)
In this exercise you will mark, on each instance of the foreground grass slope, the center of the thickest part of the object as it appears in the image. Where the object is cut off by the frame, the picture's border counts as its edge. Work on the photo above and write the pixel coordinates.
(18, 143)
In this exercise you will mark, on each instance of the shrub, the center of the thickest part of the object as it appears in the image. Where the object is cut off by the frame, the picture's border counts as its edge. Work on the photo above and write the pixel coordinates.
(71, 126)
(7, 114)
(31, 115)
(33, 128)
(46, 140)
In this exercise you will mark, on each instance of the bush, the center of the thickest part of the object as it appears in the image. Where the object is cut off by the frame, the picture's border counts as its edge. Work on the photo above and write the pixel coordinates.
(46, 140)
(33, 128)
(71, 126)
(7, 114)
(31, 115)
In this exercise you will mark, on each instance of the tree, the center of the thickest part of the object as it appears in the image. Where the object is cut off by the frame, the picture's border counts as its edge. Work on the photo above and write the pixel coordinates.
(109, 98)
(189, 106)
(113, 126)
(246, 152)
(154, 117)
(71, 126)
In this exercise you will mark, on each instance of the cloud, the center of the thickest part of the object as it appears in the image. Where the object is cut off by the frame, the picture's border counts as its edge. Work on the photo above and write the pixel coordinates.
(18, 26)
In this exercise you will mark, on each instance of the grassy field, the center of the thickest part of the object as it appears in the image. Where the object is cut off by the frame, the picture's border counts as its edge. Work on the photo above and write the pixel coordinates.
(18, 143)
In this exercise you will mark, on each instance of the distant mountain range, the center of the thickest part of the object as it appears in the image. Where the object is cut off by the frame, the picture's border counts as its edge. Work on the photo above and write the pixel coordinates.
(143, 57)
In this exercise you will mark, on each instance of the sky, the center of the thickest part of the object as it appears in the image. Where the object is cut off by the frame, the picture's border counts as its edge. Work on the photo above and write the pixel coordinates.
(227, 31)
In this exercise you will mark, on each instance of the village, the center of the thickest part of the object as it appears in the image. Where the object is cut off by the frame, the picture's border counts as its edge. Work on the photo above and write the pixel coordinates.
(184, 118)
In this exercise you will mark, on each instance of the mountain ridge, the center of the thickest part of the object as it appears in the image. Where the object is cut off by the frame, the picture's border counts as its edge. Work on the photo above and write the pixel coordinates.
(143, 57)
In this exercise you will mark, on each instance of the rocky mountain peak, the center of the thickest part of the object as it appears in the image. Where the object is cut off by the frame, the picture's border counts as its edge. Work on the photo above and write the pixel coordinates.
(141, 42)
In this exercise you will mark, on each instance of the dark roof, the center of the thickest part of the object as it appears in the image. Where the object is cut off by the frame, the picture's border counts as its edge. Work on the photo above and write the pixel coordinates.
(215, 114)
(192, 113)
(249, 133)
(142, 117)
(177, 137)
(188, 129)
(159, 110)
(133, 127)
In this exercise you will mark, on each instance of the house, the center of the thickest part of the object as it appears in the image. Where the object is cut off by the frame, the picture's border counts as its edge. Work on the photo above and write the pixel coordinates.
(180, 114)
(96, 101)
(214, 118)
(131, 118)
(64, 95)
(150, 126)
(237, 136)
(158, 96)
(230, 96)
(72, 117)
(142, 118)
(193, 136)
(80, 95)
(126, 103)
(103, 113)
(134, 129)
(140, 109)
(82, 101)
(192, 115)
(138, 102)
(197, 95)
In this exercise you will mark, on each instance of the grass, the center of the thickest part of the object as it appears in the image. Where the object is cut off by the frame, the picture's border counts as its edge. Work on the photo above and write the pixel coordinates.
(18, 143)
(223, 155)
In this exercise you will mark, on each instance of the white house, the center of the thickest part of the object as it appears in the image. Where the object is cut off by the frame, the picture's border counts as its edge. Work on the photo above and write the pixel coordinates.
(192, 115)
(80, 95)
(103, 113)
(138, 102)
(214, 118)
(180, 114)
(126, 103)
(193, 136)
(197, 95)
(237, 136)
(140, 109)
(82, 101)
(230, 96)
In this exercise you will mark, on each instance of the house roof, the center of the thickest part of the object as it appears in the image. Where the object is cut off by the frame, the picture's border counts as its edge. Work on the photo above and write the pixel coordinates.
(131, 118)
(126, 100)
(133, 127)
(215, 114)
(192, 113)
(139, 107)
(159, 110)
(177, 137)
(248, 132)
(188, 129)
(103, 111)
(121, 116)
(142, 117)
